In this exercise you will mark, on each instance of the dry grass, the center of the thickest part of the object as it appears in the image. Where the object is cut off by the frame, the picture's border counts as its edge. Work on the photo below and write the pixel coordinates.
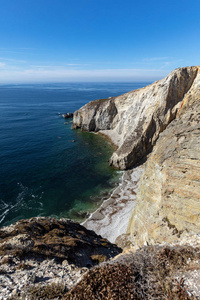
(97, 102)
(49, 238)
(51, 291)
(148, 274)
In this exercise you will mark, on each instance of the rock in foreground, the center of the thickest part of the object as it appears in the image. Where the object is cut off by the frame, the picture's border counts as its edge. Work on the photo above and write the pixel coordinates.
(42, 252)
(156, 272)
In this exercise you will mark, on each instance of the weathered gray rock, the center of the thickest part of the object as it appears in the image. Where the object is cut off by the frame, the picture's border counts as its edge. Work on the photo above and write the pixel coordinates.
(134, 120)
(96, 115)
(68, 115)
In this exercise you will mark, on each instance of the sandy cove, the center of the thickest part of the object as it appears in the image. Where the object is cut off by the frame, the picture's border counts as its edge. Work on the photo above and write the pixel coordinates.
(111, 219)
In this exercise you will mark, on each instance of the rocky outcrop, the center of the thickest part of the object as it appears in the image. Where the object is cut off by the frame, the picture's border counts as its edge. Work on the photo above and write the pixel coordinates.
(96, 115)
(165, 115)
(134, 120)
(59, 239)
(68, 115)
(43, 257)
(168, 197)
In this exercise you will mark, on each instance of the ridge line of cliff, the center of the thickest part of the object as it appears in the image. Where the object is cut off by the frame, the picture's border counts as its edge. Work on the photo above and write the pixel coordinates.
(133, 121)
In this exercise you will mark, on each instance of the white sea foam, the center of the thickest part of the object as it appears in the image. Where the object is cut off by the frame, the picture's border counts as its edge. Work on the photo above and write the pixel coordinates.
(24, 200)
(111, 219)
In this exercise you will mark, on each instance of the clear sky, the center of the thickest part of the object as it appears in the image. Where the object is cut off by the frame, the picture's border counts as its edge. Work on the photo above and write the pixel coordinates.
(96, 40)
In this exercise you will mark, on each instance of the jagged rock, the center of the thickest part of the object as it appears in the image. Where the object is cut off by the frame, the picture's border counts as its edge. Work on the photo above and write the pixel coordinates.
(68, 115)
(134, 120)
(168, 197)
(95, 115)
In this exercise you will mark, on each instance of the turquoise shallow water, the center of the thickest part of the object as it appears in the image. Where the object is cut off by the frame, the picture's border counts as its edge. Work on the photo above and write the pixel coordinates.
(46, 168)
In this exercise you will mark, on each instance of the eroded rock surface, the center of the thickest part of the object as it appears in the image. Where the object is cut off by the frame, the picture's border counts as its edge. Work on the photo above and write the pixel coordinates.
(134, 120)
(168, 198)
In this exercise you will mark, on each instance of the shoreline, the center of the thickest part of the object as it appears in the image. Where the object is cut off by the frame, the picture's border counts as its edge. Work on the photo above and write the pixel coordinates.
(111, 219)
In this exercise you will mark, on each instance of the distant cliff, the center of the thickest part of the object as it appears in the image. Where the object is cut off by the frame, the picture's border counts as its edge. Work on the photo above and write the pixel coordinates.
(133, 121)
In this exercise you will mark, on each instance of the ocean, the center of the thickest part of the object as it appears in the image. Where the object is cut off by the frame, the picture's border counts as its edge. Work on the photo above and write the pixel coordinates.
(46, 168)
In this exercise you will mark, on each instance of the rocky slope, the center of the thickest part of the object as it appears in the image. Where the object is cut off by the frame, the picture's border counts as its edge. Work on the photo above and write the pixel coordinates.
(45, 255)
(168, 197)
(133, 121)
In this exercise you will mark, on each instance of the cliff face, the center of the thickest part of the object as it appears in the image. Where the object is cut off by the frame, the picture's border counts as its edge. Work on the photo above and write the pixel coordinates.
(165, 113)
(134, 120)
(168, 198)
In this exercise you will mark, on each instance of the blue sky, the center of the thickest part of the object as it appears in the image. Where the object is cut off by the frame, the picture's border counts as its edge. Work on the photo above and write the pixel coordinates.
(90, 40)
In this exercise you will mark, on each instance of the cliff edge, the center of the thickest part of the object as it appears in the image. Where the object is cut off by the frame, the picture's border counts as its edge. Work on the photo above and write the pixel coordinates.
(168, 198)
(42, 258)
(133, 121)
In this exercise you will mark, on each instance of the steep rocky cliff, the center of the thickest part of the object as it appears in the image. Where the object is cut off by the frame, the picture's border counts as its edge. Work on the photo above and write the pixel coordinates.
(134, 120)
(168, 198)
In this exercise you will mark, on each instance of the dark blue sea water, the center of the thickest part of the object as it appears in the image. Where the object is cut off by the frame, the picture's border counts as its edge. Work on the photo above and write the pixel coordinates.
(43, 172)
